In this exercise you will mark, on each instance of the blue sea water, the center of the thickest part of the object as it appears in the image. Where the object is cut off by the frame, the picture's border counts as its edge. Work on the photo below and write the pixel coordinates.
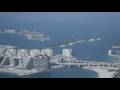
(59, 31)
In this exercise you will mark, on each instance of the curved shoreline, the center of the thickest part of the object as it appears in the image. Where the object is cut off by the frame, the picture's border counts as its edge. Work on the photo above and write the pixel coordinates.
(102, 72)
(71, 42)
(19, 72)
(30, 35)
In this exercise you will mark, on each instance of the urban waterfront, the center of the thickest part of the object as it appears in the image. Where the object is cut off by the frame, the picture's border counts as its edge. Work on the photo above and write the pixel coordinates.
(71, 29)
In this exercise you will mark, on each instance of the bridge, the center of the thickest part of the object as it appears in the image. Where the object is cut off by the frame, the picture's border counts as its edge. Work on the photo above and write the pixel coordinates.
(82, 63)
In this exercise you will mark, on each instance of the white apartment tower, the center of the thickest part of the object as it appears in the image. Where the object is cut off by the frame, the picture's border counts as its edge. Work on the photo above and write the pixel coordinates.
(22, 52)
(34, 52)
(1, 51)
(10, 52)
(47, 51)
(67, 52)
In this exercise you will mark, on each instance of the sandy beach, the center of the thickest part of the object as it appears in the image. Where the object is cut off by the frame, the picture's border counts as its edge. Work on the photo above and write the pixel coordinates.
(58, 66)
(19, 72)
(102, 72)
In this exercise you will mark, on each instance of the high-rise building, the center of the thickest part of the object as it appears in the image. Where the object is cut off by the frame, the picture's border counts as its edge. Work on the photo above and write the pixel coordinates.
(41, 62)
(22, 52)
(67, 52)
(1, 51)
(10, 52)
(109, 52)
(11, 60)
(1, 58)
(48, 52)
(16, 62)
(26, 62)
(34, 52)
(5, 61)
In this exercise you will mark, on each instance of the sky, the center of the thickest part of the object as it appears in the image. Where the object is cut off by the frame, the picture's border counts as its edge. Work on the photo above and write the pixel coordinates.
(59, 16)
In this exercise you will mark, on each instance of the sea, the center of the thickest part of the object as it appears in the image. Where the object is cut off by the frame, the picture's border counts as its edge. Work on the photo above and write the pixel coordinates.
(107, 30)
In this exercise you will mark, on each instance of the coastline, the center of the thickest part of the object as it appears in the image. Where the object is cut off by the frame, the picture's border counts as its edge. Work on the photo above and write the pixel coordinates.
(28, 34)
(20, 72)
(59, 66)
(102, 72)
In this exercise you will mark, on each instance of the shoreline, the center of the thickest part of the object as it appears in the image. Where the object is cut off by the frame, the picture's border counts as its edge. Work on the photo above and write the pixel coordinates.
(102, 72)
(20, 72)
(29, 36)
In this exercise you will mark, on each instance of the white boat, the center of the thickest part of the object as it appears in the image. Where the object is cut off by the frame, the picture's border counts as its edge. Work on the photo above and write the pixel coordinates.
(98, 39)
(70, 43)
(91, 40)
(62, 45)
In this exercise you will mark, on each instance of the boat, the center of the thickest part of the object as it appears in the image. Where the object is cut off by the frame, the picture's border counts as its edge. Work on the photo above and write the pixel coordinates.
(98, 39)
(62, 45)
(70, 43)
(91, 40)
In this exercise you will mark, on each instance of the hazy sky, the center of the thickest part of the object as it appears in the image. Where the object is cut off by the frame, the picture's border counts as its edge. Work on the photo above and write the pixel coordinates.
(50, 16)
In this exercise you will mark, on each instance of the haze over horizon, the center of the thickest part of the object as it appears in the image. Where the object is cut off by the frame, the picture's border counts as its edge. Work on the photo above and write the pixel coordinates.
(58, 16)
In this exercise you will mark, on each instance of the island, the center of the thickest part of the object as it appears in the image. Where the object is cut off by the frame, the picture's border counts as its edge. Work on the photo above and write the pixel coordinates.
(116, 46)
(71, 42)
(30, 35)
(7, 46)
(117, 53)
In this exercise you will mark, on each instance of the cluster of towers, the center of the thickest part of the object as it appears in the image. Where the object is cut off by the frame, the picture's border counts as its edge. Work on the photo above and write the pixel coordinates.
(24, 59)
(24, 52)
(25, 62)
(32, 59)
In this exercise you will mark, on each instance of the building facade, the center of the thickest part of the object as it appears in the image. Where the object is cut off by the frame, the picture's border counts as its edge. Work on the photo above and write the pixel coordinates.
(1, 51)
(10, 52)
(41, 62)
(34, 52)
(48, 52)
(22, 52)
(67, 52)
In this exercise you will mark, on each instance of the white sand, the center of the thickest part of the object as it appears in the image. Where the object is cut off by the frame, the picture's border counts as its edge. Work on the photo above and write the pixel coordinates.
(19, 71)
(58, 66)
(102, 72)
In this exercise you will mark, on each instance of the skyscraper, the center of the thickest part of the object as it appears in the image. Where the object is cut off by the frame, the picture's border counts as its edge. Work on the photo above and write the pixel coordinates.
(10, 52)
(34, 52)
(22, 52)
(1, 51)
(67, 52)
(41, 62)
(48, 52)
